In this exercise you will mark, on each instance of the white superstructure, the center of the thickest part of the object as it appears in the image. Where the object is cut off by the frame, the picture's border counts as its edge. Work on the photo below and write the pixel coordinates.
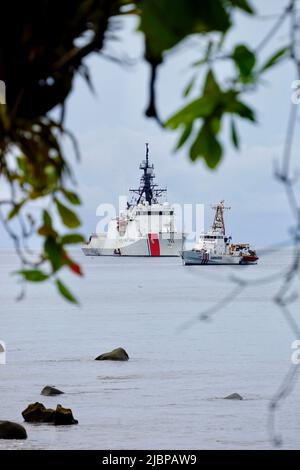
(145, 228)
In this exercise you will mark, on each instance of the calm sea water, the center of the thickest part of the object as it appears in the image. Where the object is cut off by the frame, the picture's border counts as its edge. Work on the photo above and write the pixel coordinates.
(169, 394)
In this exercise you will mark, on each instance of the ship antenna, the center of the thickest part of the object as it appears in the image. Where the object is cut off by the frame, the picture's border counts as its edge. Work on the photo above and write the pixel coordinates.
(147, 154)
(218, 222)
(148, 188)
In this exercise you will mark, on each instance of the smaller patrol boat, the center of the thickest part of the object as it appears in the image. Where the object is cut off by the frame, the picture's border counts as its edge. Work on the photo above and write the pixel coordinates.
(214, 247)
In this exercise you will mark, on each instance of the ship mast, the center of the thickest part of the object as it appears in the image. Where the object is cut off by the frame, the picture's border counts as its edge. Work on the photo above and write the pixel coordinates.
(218, 224)
(148, 190)
(147, 177)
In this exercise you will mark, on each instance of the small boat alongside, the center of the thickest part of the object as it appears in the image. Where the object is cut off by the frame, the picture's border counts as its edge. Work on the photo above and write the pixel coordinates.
(215, 247)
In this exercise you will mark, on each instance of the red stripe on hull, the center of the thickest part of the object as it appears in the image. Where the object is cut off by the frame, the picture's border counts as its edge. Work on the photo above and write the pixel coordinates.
(154, 244)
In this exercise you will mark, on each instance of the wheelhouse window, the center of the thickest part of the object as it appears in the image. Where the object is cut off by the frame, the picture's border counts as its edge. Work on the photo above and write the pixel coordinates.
(154, 212)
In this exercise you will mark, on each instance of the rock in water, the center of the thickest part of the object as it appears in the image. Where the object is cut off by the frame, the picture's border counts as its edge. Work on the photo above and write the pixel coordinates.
(34, 413)
(50, 391)
(37, 413)
(234, 396)
(64, 416)
(48, 415)
(10, 430)
(118, 354)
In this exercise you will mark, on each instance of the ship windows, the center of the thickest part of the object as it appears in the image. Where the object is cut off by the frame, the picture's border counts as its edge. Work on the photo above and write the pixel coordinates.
(212, 237)
(155, 213)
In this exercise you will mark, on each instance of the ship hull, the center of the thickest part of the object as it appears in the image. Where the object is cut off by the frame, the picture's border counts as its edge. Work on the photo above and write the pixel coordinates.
(191, 257)
(150, 246)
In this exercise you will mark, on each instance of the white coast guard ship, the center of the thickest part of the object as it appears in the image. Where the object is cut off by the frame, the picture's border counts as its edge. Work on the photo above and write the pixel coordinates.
(145, 228)
(214, 247)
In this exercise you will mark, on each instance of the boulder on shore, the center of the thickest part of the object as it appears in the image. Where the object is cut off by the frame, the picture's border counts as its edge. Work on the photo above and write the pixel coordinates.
(64, 416)
(118, 354)
(38, 413)
(10, 430)
(234, 396)
(50, 391)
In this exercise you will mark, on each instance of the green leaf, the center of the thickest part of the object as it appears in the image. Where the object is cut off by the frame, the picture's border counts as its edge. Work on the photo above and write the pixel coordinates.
(242, 110)
(202, 107)
(46, 230)
(72, 238)
(51, 173)
(215, 124)
(65, 292)
(234, 135)
(166, 23)
(243, 5)
(275, 58)
(199, 62)
(207, 146)
(47, 218)
(15, 210)
(244, 59)
(33, 275)
(189, 86)
(68, 217)
(211, 87)
(21, 163)
(199, 108)
(207, 55)
(185, 135)
(54, 252)
(72, 197)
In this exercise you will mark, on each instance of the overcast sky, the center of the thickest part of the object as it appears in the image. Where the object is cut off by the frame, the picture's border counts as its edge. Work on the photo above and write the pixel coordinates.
(112, 130)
